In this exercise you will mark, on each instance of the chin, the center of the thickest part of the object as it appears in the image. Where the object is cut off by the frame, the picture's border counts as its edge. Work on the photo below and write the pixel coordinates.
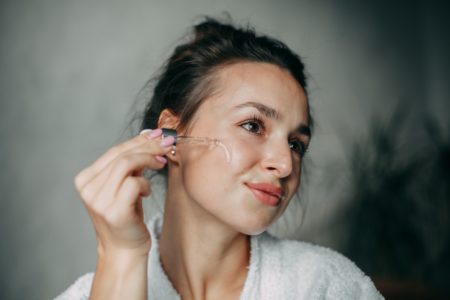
(255, 226)
(254, 232)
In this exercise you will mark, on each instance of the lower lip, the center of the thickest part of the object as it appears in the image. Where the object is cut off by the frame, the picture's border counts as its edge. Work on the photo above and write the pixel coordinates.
(266, 198)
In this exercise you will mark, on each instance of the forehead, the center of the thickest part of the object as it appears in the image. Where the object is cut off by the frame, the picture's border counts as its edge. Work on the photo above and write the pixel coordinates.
(265, 83)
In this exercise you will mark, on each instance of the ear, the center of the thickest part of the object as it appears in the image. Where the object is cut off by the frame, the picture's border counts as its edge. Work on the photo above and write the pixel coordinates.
(168, 119)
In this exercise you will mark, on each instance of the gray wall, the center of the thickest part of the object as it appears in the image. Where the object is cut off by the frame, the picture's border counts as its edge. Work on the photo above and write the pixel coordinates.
(70, 70)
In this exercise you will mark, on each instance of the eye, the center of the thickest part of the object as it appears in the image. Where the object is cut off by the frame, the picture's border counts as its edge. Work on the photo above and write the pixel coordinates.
(298, 147)
(254, 125)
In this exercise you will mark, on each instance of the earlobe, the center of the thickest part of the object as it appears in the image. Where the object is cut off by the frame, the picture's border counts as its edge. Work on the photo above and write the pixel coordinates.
(172, 155)
(168, 119)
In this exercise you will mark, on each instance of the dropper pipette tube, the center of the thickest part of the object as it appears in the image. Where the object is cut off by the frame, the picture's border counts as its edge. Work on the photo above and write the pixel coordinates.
(201, 141)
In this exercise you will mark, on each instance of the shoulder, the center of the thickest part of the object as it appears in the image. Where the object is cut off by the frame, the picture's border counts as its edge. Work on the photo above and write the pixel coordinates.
(315, 269)
(79, 290)
(294, 254)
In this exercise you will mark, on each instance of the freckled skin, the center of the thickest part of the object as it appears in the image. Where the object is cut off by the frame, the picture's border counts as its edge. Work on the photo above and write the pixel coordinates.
(218, 187)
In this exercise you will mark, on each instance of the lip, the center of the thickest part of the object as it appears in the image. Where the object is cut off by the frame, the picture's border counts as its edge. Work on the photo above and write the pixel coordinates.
(267, 193)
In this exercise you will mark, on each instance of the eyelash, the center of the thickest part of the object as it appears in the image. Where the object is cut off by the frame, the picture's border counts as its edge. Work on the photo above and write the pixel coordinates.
(252, 121)
(255, 120)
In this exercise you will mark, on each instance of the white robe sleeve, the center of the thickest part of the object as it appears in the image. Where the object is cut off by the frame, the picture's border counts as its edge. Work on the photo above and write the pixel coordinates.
(79, 290)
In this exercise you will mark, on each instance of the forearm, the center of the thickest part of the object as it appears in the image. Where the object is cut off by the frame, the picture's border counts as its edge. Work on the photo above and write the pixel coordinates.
(120, 277)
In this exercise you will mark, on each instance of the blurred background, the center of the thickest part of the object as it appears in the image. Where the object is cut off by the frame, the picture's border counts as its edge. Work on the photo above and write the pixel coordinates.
(377, 175)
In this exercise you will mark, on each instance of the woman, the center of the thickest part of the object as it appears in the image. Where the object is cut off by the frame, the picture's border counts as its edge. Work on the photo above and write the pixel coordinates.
(246, 95)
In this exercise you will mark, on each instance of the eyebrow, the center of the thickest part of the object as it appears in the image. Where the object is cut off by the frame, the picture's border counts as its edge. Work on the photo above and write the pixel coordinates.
(271, 113)
(304, 129)
(264, 109)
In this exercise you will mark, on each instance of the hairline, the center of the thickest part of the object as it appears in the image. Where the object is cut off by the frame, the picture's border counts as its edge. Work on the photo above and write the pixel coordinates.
(209, 83)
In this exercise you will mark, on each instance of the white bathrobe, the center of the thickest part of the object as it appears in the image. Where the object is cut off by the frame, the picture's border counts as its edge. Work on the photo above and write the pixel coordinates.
(279, 269)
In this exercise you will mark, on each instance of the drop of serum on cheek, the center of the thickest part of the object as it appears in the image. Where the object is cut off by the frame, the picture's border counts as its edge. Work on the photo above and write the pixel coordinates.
(199, 141)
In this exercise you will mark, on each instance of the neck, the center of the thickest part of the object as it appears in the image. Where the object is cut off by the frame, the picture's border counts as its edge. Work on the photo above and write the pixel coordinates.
(202, 257)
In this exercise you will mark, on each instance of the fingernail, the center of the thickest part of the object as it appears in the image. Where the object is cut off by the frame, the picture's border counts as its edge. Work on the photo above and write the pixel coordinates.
(167, 141)
(145, 131)
(155, 133)
(161, 159)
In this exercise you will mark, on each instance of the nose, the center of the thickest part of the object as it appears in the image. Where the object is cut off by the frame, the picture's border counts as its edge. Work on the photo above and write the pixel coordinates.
(278, 159)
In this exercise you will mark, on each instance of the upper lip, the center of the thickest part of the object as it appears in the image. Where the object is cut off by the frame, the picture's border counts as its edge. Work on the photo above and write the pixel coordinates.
(266, 188)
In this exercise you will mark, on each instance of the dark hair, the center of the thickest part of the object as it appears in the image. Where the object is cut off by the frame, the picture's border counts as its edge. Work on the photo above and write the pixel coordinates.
(188, 75)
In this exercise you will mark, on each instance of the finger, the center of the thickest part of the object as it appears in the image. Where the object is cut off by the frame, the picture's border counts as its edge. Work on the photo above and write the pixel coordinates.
(108, 181)
(91, 189)
(155, 148)
(89, 173)
(129, 199)
(129, 163)
(131, 189)
(151, 156)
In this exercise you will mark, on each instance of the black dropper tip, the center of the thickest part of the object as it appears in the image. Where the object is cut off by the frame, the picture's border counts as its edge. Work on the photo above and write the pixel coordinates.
(170, 132)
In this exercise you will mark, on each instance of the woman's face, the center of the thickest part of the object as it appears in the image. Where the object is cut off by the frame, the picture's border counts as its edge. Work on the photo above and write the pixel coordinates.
(260, 113)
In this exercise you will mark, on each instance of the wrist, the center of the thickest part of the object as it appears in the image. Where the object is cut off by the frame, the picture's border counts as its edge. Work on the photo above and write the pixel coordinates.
(119, 274)
(122, 258)
(107, 251)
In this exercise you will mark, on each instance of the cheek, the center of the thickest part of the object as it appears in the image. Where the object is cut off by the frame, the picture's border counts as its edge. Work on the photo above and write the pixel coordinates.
(205, 174)
(243, 155)
(217, 166)
(215, 183)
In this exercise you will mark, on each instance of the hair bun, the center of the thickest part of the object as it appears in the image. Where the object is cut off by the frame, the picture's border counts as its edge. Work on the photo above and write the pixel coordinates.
(212, 28)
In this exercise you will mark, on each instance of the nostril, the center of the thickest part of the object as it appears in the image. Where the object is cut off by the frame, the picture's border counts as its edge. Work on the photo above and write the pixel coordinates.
(278, 160)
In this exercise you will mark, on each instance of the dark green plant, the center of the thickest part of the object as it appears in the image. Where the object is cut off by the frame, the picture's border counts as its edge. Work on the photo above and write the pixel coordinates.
(399, 216)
